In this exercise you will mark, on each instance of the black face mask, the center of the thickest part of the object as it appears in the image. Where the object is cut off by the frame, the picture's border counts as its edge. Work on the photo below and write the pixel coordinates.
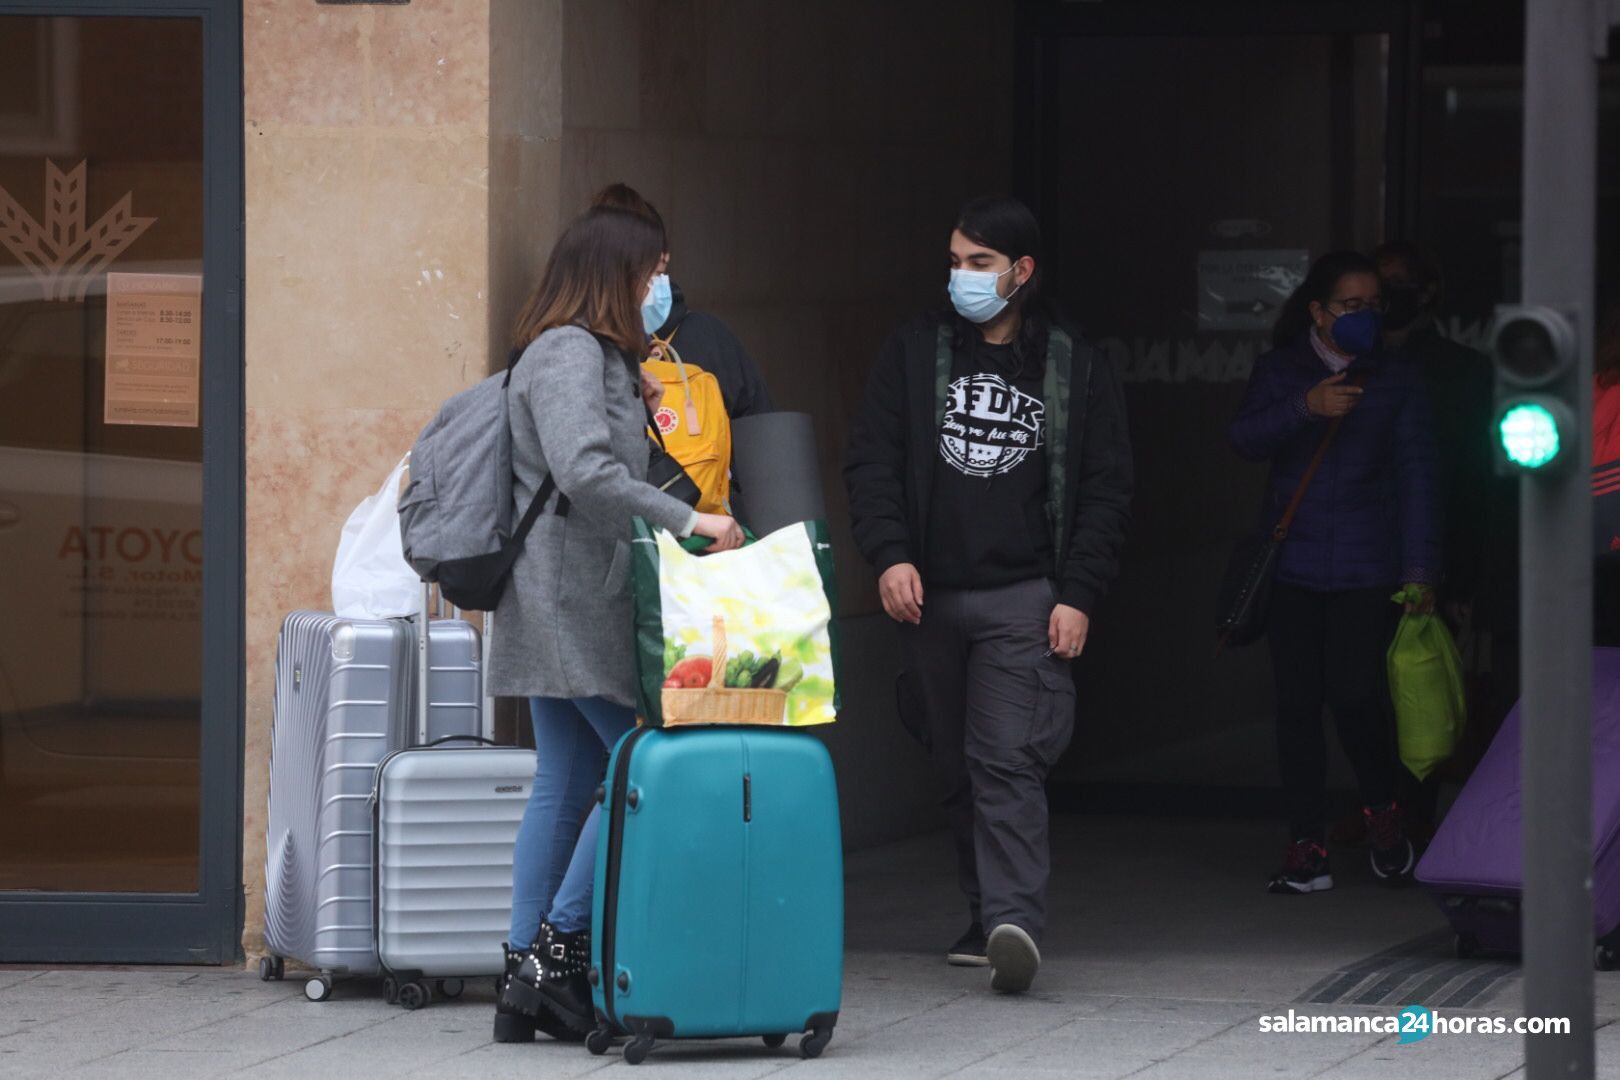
(1404, 305)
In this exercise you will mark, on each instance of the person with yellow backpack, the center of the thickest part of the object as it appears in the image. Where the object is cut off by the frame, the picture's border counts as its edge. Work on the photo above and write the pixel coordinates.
(707, 377)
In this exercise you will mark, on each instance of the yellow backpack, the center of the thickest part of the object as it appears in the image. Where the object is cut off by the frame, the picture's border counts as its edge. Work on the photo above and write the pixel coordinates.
(694, 424)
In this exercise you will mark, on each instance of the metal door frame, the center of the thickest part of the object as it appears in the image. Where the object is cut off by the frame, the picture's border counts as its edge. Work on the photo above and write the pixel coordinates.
(204, 927)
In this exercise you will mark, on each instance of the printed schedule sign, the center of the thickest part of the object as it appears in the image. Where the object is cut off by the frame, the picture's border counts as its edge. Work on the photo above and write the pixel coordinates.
(154, 349)
(1244, 290)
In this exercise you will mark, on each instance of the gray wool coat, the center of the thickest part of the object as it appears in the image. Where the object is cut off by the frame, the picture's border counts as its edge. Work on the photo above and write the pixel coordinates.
(563, 627)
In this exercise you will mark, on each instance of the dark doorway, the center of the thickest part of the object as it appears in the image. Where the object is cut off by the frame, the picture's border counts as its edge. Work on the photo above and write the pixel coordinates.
(1189, 161)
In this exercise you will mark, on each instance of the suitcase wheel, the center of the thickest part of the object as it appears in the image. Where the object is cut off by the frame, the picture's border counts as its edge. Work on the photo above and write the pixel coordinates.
(775, 1042)
(598, 1041)
(1466, 946)
(391, 990)
(413, 995)
(318, 988)
(637, 1049)
(449, 989)
(1605, 958)
(814, 1043)
(272, 968)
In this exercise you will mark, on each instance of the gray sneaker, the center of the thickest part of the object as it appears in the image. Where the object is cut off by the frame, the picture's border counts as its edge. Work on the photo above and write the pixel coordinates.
(1014, 959)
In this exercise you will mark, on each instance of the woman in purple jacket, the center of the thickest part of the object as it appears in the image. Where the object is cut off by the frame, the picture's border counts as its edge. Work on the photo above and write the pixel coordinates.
(1369, 523)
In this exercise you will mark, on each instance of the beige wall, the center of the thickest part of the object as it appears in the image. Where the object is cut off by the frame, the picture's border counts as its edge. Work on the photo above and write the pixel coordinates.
(395, 212)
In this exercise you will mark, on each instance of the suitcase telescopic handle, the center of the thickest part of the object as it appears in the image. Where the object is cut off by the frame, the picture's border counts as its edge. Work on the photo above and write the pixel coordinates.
(422, 660)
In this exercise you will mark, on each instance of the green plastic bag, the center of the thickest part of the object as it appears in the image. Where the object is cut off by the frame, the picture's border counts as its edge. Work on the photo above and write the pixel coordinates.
(1426, 683)
(738, 637)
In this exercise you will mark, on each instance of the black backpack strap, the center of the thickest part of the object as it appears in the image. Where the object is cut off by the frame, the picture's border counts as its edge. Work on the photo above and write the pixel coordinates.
(537, 506)
(511, 362)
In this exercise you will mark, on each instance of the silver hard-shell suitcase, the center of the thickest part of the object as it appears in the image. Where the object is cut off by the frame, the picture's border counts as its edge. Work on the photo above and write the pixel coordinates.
(345, 697)
(446, 820)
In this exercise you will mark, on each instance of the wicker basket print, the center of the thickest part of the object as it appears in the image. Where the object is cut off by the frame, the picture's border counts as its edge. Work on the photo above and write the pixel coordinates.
(718, 704)
(745, 636)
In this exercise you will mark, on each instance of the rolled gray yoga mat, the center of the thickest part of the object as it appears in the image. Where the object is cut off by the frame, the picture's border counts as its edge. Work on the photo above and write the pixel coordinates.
(777, 471)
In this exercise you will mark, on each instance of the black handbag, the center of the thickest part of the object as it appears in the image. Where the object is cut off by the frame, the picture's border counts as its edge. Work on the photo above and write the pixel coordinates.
(1245, 596)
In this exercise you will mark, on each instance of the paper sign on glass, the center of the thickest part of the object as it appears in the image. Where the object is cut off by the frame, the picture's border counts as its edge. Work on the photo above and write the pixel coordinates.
(154, 349)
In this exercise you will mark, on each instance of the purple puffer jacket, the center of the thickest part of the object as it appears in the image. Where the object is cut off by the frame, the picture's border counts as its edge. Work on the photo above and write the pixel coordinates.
(1371, 517)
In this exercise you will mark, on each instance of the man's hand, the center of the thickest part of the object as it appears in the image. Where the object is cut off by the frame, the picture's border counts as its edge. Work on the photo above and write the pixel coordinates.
(1331, 398)
(1067, 631)
(901, 589)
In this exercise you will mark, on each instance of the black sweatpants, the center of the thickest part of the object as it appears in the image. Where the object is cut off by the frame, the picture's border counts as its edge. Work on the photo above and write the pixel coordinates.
(1329, 649)
(997, 714)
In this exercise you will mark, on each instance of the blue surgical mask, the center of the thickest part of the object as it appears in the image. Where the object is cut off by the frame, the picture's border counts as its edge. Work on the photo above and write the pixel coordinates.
(1356, 332)
(974, 295)
(655, 308)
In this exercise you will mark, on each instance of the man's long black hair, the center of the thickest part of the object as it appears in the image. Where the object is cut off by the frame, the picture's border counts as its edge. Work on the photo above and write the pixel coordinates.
(1008, 226)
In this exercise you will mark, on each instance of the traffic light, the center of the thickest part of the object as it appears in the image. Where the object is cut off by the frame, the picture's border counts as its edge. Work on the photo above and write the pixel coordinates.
(1537, 359)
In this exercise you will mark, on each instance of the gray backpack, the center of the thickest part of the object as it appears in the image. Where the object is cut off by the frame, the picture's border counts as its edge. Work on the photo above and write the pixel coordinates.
(455, 516)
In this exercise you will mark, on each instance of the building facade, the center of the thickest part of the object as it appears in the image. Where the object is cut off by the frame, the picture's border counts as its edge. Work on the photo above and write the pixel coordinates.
(247, 249)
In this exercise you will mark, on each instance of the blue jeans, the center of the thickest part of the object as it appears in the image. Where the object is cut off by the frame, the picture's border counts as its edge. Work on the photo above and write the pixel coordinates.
(554, 862)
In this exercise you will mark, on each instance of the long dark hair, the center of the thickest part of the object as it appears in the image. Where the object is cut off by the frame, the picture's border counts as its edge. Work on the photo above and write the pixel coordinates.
(1008, 226)
(1318, 288)
(596, 275)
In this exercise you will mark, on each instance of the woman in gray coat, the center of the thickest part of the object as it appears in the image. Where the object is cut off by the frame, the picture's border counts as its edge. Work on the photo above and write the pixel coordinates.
(562, 634)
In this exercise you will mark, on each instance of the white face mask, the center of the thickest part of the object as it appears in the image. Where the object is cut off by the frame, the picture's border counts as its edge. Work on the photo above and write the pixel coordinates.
(975, 296)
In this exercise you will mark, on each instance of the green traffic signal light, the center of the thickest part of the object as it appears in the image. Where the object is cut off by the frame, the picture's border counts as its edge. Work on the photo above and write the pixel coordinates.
(1530, 435)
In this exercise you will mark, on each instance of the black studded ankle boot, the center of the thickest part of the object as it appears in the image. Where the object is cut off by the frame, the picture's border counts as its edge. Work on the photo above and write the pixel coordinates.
(564, 987)
(511, 1024)
(521, 994)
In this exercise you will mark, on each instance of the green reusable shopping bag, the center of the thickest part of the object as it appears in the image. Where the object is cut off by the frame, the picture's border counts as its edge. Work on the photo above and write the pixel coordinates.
(737, 637)
(1426, 683)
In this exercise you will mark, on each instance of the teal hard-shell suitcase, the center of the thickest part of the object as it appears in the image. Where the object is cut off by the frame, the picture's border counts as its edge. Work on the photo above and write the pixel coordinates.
(719, 902)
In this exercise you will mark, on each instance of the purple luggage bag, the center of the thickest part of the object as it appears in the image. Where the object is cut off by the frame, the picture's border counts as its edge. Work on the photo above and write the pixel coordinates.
(1474, 867)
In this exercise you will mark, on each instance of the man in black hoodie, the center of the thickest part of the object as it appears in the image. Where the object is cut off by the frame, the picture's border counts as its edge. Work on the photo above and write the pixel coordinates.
(989, 474)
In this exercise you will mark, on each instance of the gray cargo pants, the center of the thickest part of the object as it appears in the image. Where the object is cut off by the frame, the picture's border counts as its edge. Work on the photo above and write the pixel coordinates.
(994, 713)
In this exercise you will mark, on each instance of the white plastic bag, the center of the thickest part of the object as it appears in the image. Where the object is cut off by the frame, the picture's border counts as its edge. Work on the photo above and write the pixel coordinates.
(370, 577)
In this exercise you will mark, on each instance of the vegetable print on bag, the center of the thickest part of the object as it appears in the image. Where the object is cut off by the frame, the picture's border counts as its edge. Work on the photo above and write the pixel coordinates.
(738, 637)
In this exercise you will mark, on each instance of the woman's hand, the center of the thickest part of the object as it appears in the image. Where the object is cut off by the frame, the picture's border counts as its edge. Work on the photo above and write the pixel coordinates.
(725, 532)
(1421, 600)
(1331, 398)
(901, 590)
(652, 391)
(1067, 630)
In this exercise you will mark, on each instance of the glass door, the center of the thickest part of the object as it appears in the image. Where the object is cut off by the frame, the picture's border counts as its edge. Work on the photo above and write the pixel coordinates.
(119, 300)
(1192, 159)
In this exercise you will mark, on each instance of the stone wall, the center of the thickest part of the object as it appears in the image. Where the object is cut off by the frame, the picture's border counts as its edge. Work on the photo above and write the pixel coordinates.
(396, 210)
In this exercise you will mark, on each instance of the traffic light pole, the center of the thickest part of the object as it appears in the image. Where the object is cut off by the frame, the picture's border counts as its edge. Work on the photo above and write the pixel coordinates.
(1560, 204)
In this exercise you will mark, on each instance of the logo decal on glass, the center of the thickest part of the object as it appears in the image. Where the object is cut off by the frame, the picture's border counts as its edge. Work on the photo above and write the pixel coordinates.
(63, 254)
